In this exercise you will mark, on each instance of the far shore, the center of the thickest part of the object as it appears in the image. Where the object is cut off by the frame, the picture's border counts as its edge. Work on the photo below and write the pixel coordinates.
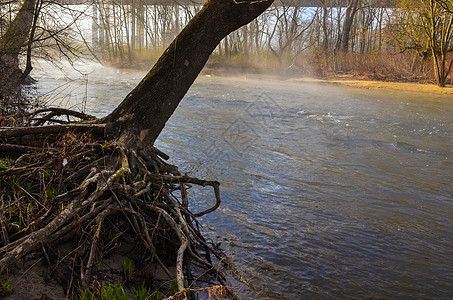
(370, 84)
(340, 80)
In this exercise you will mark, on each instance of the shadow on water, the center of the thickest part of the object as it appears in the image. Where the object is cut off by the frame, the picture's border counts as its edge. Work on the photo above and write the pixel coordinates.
(327, 191)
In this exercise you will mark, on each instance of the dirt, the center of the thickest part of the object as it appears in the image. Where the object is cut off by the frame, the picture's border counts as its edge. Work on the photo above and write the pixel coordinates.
(33, 279)
(29, 281)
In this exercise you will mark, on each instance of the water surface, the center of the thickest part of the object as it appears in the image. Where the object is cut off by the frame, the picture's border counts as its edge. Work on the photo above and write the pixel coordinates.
(327, 191)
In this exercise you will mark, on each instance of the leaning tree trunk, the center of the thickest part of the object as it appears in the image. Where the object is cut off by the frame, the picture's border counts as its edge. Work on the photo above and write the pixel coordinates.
(142, 115)
(11, 44)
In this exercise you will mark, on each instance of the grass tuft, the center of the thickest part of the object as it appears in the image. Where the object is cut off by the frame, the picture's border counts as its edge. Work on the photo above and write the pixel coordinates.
(6, 288)
(128, 268)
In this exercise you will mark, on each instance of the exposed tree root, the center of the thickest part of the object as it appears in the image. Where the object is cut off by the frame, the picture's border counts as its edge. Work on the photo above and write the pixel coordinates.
(59, 184)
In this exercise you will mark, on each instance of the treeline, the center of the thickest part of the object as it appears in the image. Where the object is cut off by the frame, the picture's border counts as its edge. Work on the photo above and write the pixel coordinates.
(409, 41)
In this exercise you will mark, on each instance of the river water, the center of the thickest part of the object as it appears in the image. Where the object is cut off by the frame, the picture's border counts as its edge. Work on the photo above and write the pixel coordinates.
(328, 192)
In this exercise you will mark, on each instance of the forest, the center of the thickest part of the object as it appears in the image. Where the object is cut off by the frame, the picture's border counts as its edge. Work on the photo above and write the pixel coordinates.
(403, 40)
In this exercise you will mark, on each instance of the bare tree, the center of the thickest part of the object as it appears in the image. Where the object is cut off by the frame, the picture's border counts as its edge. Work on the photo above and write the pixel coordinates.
(12, 43)
(426, 26)
(143, 113)
(350, 13)
(438, 24)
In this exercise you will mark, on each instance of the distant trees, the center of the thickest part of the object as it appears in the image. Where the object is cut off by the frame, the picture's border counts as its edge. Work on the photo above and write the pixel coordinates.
(437, 20)
(289, 33)
(124, 29)
(143, 113)
(351, 36)
(426, 26)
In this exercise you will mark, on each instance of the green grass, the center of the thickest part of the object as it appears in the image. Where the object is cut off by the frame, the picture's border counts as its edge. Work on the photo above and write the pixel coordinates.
(140, 292)
(109, 291)
(128, 268)
(5, 163)
(112, 292)
(157, 295)
(86, 294)
(174, 287)
(6, 287)
(50, 194)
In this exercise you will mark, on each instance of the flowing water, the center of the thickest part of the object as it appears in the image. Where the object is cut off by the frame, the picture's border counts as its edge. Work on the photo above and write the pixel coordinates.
(327, 192)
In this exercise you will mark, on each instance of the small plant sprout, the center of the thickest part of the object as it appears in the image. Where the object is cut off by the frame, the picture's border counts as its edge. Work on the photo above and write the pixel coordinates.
(6, 287)
(128, 268)
(174, 286)
(5, 163)
(113, 292)
(86, 294)
(157, 295)
(141, 292)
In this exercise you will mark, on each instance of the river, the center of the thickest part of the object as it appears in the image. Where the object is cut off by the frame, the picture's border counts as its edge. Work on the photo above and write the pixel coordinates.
(328, 192)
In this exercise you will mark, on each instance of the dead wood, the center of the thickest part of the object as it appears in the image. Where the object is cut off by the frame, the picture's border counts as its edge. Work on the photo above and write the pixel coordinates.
(52, 115)
(76, 186)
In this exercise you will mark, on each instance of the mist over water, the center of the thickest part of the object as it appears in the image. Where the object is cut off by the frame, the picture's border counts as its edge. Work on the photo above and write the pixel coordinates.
(327, 191)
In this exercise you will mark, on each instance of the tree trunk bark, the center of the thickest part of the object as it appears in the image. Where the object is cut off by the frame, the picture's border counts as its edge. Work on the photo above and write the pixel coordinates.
(142, 115)
(325, 42)
(351, 9)
(11, 44)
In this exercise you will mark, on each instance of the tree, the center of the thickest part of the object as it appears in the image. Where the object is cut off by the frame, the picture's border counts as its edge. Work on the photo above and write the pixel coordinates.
(12, 42)
(289, 32)
(426, 26)
(121, 174)
(351, 10)
(143, 113)
(36, 28)
(438, 24)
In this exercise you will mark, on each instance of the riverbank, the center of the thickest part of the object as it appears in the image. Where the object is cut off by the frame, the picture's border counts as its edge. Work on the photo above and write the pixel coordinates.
(245, 68)
(371, 84)
(347, 80)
